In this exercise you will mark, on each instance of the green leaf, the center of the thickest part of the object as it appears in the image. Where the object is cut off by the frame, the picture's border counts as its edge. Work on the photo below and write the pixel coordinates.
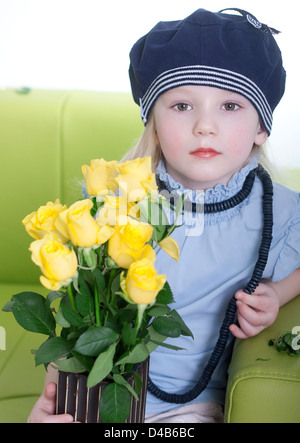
(85, 282)
(54, 295)
(165, 296)
(115, 404)
(102, 366)
(155, 339)
(100, 280)
(52, 350)
(138, 354)
(95, 340)
(70, 365)
(86, 362)
(33, 313)
(60, 319)
(95, 207)
(167, 326)
(158, 310)
(184, 329)
(121, 381)
(87, 276)
(288, 342)
(71, 316)
(8, 306)
(115, 286)
(129, 334)
(138, 382)
(112, 321)
(84, 303)
(166, 345)
(159, 232)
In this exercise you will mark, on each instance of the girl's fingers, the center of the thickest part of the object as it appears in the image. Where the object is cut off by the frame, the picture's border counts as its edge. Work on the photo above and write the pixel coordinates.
(250, 315)
(237, 332)
(62, 418)
(49, 398)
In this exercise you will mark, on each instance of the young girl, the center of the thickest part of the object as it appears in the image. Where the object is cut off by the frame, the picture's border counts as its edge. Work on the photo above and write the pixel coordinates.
(207, 87)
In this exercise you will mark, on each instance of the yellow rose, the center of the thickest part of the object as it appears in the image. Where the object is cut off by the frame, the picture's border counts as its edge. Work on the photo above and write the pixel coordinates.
(42, 222)
(142, 282)
(80, 227)
(57, 263)
(128, 243)
(113, 212)
(135, 178)
(100, 177)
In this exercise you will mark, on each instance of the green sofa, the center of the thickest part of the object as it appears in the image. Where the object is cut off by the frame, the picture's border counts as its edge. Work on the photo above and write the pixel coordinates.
(45, 137)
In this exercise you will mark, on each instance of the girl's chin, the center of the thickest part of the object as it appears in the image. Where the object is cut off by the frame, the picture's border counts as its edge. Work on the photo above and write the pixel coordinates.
(202, 175)
(204, 181)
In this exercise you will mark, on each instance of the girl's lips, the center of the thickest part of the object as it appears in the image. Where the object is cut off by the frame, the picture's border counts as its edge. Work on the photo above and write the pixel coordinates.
(205, 153)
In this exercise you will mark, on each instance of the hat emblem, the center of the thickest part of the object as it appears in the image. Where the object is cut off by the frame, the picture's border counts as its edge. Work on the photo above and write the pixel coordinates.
(253, 21)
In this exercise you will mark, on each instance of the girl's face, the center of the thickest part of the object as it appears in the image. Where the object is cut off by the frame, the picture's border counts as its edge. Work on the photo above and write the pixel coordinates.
(206, 134)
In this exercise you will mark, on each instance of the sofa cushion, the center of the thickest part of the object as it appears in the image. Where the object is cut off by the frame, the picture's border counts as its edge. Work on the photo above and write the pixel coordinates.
(264, 385)
(29, 150)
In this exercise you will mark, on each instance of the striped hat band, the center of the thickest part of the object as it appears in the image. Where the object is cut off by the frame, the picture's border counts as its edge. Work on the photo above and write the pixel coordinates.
(207, 76)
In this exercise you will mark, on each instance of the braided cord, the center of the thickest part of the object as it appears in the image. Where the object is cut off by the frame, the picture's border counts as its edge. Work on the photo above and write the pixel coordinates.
(231, 309)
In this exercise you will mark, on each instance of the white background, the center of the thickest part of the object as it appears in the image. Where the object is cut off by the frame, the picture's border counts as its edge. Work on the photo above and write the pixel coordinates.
(84, 44)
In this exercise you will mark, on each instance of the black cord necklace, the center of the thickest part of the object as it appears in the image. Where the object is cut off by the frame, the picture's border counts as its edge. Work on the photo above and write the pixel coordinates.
(210, 208)
(230, 314)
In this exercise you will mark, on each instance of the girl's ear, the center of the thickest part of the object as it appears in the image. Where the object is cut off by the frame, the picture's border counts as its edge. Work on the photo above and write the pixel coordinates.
(261, 136)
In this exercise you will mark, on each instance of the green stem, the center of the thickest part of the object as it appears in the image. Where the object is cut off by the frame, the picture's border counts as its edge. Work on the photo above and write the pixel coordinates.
(140, 314)
(71, 298)
(97, 305)
(105, 318)
(110, 280)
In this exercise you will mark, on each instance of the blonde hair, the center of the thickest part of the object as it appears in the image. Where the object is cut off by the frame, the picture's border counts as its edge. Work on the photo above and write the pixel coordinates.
(148, 146)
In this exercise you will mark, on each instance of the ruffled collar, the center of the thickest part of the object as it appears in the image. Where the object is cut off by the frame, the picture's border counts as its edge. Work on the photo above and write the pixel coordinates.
(219, 193)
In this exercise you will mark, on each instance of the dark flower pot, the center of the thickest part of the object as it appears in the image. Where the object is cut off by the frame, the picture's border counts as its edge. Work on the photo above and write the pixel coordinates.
(75, 398)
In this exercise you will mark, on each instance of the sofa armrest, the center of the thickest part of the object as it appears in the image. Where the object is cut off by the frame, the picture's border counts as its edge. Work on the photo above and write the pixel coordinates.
(263, 384)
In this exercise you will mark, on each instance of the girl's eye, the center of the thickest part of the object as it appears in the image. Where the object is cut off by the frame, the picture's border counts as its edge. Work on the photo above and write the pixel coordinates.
(230, 106)
(182, 107)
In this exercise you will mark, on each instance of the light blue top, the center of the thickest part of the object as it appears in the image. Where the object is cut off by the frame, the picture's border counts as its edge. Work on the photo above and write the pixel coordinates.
(212, 267)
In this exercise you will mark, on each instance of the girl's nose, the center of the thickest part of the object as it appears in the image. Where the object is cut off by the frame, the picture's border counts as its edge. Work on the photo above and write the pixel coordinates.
(205, 123)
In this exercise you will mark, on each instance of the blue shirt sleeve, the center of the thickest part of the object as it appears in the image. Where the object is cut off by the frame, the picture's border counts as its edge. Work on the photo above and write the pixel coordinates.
(289, 256)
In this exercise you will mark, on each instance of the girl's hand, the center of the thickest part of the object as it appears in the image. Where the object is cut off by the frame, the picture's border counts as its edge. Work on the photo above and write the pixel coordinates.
(44, 409)
(255, 312)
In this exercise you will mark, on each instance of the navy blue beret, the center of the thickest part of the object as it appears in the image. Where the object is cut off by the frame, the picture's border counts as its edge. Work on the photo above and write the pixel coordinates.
(228, 51)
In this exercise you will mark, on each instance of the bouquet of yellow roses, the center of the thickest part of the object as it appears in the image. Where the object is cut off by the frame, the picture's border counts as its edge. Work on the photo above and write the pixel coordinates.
(97, 258)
